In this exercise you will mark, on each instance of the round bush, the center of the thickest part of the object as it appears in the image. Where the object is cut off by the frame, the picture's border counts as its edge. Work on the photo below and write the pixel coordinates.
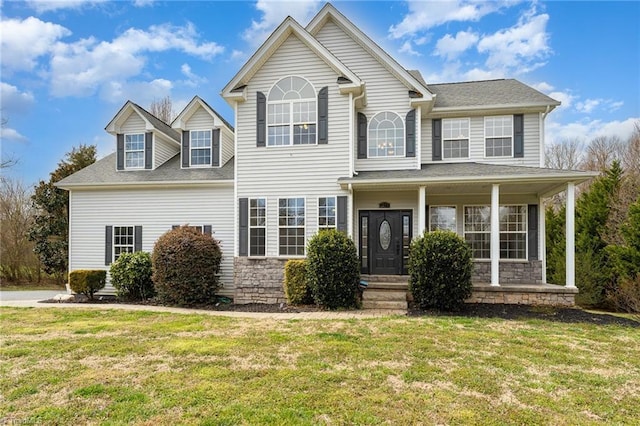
(333, 269)
(440, 270)
(87, 281)
(295, 282)
(185, 267)
(131, 276)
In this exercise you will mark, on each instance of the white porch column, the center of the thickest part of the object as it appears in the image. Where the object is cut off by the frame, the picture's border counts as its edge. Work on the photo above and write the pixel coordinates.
(422, 213)
(542, 237)
(495, 234)
(570, 237)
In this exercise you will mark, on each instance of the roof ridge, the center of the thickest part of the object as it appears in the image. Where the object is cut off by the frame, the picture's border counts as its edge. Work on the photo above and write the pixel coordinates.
(471, 81)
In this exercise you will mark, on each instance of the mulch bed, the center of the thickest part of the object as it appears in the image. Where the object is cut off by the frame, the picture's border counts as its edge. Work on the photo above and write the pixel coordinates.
(478, 310)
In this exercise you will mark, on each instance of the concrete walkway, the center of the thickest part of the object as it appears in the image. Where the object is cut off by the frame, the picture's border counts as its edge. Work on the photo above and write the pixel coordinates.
(258, 315)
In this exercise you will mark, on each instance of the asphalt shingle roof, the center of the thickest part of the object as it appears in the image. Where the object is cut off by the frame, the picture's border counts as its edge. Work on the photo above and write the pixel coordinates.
(158, 124)
(103, 172)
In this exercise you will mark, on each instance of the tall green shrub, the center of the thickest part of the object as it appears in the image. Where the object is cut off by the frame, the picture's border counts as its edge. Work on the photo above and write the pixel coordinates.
(333, 269)
(87, 281)
(185, 267)
(131, 276)
(295, 282)
(440, 268)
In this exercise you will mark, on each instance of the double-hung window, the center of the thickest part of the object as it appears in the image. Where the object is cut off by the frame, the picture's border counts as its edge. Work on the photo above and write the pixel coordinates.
(442, 218)
(291, 113)
(477, 230)
(386, 135)
(123, 240)
(134, 151)
(513, 231)
(326, 213)
(291, 226)
(455, 138)
(200, 146)
(498, 134)
(257, 226)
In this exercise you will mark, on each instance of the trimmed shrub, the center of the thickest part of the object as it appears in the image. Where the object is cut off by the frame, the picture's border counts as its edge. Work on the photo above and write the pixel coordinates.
(87, 281)
(333, 269)
(131, 276)
(295, 282)
(185, 267)
(440, 268)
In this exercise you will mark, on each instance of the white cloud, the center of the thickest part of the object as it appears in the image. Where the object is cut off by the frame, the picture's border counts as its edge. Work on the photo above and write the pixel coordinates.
(424, 15)
(140, 92)
(41, 6)
(542, 86)
(520, 48)
(24, 41)
(238, 55)
(193, 80)
(274, 12)
(591, 105)
(78, 69)
(9, 134)
(586, 130)
(13, 101)
(566, 99)
(451, 47)
(588, 105)
(408, 49)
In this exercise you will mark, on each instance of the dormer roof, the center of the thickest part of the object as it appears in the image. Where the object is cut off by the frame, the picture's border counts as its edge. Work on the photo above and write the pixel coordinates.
(197, 102)
(152, 123)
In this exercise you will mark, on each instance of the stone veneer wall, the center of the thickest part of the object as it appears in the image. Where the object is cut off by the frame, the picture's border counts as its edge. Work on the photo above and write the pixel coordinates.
(258, 280)
(526, 295)
(510, 272)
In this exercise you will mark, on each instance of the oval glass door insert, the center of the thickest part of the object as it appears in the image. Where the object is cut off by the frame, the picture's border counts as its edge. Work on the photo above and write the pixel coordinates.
(385, 234)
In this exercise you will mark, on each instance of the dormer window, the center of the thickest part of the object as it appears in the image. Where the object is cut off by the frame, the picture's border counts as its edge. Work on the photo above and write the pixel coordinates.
(386, 135)
(200, 147)
(134, 151)
(291, 113)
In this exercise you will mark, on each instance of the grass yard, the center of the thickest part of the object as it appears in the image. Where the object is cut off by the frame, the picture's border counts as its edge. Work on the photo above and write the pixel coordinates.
(69, 366)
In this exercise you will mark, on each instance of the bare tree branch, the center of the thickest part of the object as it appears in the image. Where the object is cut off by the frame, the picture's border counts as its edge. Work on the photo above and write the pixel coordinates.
(162, 109)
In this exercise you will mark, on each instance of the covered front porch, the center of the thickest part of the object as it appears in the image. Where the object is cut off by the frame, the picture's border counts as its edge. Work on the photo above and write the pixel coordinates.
(499, 210)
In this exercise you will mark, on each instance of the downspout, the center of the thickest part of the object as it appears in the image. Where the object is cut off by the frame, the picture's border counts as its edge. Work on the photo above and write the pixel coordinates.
(543, 116)
(350, 222)
(236, 218)
(351, 115)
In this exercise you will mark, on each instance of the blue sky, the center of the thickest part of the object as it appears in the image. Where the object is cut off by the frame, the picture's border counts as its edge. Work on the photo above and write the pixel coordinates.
(68, 66)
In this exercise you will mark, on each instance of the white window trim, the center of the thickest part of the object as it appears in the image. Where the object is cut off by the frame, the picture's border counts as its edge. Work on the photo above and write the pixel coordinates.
(125, 150)
(306, 220)
(443, 139)
(455, 207)
(484, 130)
(335, 199)
(526, 231)
(191, 148)
(265, 227)
(113, 240)
(404, 137)
(291, 123)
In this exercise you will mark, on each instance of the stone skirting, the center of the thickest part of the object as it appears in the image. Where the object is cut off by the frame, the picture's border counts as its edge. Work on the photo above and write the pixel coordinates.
(534, 294)
(510, 272)
(258, 280)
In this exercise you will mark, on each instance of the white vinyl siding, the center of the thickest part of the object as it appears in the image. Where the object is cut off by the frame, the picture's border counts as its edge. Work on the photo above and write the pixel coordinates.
(284, 172)
(164, 149)
(226, 142)
(133, 124)
(384, 91)
(477, 143)
(156, 210)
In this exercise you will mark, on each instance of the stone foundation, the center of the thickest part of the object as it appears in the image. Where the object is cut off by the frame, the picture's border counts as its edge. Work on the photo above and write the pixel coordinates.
(258, 280)
(510, 272)
(539, 294)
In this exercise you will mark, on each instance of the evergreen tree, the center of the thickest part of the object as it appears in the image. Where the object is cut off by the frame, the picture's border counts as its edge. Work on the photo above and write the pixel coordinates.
(51, 226)
(556, 244)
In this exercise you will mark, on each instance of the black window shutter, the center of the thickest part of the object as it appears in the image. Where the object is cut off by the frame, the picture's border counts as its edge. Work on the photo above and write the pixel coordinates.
(206, 229)
(410, 133)
(323, 115)
(532, 235)
(341, 222)
(261, 119)
(120, 151)
(362, 135)
(148, 150)
(185, 148)
(243, 243)
(215, 145)
(518, 135)
(427, 217)
(108, 245)
(137, 238)
(436, 140)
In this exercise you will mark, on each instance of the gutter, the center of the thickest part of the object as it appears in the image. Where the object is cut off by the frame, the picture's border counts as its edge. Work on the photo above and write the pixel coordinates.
(165, 184)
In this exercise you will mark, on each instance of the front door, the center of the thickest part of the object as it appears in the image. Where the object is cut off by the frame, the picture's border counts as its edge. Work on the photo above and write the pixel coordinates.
(384, 241)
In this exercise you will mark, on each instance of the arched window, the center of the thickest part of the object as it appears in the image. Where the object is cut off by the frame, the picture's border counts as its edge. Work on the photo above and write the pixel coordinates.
(386, 135)
(291, 112)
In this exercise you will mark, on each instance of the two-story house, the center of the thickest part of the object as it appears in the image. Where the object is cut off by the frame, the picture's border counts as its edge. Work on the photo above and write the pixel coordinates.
(331, 132)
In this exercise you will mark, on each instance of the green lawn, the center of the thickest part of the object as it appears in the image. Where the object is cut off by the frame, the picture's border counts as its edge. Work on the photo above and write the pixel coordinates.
(119, 367)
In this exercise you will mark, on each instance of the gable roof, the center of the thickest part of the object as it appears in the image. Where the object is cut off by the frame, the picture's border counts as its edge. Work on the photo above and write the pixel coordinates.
(487, 94)
(190, 109)
(103, 173)
(407, 78)
(235, 88)
(152, 122)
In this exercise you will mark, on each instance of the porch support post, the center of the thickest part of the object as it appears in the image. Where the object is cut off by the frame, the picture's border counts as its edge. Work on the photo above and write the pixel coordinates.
(542, 237)
(495, 235)
(570, 237)
(422, 211)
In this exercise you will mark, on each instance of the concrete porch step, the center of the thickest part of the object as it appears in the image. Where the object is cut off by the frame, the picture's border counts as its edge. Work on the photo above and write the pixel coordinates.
(385, 305)
(391, 295)
(385, 278)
